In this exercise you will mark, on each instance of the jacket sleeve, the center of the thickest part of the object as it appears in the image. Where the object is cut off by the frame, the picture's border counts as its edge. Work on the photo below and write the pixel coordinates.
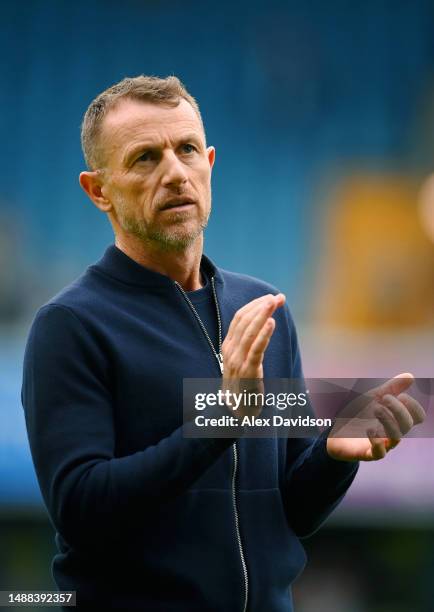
(70, 424)
(314, 482)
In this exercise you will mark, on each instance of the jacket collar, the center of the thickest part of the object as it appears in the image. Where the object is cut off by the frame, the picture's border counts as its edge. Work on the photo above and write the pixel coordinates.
(118, 265)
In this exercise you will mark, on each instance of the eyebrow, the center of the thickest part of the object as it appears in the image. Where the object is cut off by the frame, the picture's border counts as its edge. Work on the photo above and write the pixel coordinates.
(152, 144)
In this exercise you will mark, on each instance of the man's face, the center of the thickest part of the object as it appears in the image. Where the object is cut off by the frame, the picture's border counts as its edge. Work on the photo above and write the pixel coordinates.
(157, 172)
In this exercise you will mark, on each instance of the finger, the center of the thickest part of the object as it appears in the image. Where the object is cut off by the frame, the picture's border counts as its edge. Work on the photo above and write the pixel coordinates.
(238, 316)
(257, 350)
(251, 332)
(257, 302)
(235, 341)
(418, 414)
(399, 411)
(241, 313)
(378, 448)
(261, 311)
(386, 418)
(395, 385)
(390, 444)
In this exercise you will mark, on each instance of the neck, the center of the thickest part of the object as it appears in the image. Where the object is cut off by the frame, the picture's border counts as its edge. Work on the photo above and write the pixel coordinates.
(181, 266)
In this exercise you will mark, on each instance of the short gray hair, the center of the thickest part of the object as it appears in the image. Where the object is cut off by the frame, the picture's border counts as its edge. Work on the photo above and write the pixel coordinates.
(167, 92)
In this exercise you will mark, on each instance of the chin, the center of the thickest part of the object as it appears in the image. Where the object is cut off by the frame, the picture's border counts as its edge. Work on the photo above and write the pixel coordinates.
(175, 240)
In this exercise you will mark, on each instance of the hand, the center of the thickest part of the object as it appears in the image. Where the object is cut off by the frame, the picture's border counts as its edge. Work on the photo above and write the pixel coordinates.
(396, 411)
(244, 347)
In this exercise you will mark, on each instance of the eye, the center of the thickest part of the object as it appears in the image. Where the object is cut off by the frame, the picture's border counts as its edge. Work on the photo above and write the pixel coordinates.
(147, 155)
(188, 148)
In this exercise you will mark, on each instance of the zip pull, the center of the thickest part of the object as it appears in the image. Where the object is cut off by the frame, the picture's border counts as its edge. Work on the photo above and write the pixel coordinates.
(220, 360)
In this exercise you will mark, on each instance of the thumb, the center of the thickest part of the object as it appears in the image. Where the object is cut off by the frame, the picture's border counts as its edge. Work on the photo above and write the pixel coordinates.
(395, 385)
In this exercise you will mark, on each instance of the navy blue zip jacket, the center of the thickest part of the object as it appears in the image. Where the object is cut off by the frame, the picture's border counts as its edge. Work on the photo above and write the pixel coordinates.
(147, 519)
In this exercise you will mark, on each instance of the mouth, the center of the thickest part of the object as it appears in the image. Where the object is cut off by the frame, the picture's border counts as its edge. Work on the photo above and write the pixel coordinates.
(180, 203)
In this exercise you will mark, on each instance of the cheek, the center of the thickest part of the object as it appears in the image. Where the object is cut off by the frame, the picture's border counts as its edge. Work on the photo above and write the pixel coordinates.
(204, 178)
(134, 193)
(136, 186)
(142, 189)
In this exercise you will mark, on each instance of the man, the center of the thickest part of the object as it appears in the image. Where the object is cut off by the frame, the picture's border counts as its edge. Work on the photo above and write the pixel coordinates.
(146, 518)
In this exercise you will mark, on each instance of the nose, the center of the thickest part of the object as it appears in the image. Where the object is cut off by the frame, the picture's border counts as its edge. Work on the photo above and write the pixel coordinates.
(174, 172)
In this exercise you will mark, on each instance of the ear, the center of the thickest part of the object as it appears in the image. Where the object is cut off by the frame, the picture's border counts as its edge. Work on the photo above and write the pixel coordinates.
(92, 184)
(211, 156)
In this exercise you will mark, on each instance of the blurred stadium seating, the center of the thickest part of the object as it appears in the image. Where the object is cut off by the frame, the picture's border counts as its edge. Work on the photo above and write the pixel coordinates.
(322, 114)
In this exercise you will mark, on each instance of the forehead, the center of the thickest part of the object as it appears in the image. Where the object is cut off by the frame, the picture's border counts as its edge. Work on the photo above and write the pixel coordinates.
(133, 121)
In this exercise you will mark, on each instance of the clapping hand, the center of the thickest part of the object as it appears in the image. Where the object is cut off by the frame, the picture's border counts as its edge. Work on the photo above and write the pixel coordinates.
(390, 408)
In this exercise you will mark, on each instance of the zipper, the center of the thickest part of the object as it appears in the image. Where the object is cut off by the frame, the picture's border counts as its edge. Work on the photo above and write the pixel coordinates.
(218, 355)
(237, 526)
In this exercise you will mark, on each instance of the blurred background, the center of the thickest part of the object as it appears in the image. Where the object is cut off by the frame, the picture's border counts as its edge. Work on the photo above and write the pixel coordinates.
(322, 114)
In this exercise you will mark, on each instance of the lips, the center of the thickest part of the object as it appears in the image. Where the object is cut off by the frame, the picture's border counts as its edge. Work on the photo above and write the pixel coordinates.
(177, 203)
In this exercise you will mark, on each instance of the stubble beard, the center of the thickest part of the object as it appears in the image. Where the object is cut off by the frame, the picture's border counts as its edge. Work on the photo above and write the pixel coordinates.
(166, 239)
